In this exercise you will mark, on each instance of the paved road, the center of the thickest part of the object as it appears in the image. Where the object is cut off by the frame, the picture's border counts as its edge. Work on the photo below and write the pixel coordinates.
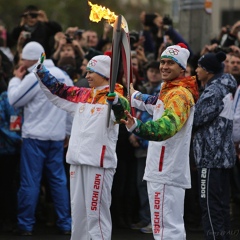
(44, 233)
(50, 233)
(118, 234)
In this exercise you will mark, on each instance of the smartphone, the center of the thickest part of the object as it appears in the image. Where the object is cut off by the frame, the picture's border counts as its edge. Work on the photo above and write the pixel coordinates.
(26, 34)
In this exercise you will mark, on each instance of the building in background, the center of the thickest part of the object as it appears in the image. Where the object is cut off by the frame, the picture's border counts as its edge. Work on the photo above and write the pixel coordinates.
(198, 21)
(201, 20)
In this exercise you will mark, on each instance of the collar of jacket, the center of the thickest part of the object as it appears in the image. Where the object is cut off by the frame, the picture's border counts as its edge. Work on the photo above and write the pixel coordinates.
(189, 83)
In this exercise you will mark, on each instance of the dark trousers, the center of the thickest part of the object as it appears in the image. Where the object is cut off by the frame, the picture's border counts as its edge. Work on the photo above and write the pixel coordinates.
(144, 208)
(9, 183)
(214, 192)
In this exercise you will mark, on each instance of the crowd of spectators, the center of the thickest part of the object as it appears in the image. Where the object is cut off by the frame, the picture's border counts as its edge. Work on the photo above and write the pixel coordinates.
(70, 49)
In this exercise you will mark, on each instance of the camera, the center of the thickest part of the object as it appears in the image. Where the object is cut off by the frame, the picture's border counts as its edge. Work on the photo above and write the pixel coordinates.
(79, 32)
(149, 20)
(68, 38)
(26, 34)
(223, 49)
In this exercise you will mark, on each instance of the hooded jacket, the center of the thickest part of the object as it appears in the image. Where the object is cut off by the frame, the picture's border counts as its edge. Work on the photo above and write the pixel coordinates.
(169, 132)
(213, 124)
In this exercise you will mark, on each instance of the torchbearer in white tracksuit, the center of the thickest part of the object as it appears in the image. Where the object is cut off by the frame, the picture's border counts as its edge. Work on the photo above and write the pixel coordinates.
(167, 169)
(91, 152)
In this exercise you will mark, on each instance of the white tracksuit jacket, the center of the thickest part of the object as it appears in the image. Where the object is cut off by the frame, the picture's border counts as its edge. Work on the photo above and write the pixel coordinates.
(27, 93)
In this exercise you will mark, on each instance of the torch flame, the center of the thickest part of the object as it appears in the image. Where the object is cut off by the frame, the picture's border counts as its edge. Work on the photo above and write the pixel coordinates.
(99, 12)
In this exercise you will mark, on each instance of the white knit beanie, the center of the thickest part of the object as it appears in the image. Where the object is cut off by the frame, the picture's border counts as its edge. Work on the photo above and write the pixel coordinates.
(32, 51)
(101, 65)
(178, 53)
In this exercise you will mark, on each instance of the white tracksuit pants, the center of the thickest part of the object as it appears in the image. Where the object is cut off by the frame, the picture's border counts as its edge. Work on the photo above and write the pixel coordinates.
(90, 189)
(167, 208)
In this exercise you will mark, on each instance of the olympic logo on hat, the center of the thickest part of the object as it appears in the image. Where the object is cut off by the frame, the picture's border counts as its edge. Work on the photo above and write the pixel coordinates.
(172, 51)
(92, 63)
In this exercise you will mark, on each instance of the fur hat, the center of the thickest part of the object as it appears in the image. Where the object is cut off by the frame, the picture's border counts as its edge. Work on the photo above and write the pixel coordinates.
(212, 62)
(32, 51)
(178, 53)
(101, 65)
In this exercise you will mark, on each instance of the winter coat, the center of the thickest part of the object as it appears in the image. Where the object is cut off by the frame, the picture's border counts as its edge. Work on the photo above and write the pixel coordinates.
(10, 141)
(42, 120)
(169, 132)
(91, 142)
(213, 124)
(236, 118)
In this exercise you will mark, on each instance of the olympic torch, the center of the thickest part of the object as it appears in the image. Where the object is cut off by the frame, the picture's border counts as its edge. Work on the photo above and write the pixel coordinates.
(120, 47)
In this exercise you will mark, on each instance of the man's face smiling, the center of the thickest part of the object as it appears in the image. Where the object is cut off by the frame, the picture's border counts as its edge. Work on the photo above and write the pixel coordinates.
(169, 69)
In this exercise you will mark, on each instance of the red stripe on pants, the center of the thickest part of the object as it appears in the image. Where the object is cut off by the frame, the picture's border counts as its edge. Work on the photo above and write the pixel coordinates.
(102, 155)
(161, 158)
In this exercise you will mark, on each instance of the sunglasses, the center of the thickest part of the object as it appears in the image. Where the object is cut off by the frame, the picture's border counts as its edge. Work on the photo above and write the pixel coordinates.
(32, 15)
